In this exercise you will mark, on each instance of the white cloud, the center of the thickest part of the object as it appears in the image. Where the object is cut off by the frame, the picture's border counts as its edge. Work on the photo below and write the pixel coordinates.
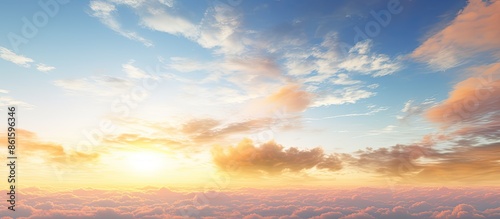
(97, 85)
(4, 91)
(385, 130)
(359, 59)
(372, 111)
(104, 12)
(44, 68)
(411, 108)
(102, 9)
(372, 86)
(221, 28)
(332, 57)
(343, 96)
(169, 3)
(343, 79)
(175, 25)
(7, 101)
(134, 72)
(131, 3)
(188, 65)
(22, 61)
(10, 56)
(105, 85)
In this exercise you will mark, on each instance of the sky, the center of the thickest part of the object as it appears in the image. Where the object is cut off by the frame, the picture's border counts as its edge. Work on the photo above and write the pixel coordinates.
(253, 94)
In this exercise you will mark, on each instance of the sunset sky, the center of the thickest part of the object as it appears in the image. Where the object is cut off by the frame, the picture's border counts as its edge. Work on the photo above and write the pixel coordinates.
(254, 94)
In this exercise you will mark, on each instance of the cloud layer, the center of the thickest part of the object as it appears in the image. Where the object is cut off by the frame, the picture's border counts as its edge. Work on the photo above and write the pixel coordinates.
(159, 203)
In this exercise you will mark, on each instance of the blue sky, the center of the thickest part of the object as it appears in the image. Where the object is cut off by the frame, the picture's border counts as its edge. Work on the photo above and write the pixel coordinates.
(340, 75)
(90, 48)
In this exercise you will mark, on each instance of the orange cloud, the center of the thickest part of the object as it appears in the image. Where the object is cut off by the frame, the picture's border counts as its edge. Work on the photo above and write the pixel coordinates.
(474, 30)
(138, 140)
(271, 158)
(422, 164)
(210, 130)
(470, 164)
(291, 97)
(471, 99)
(30, 145)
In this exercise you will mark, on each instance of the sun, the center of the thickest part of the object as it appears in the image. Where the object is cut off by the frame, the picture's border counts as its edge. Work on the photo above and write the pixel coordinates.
(145, 162)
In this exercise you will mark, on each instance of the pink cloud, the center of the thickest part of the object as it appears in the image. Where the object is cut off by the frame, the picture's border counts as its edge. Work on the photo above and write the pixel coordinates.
(474, 30)
(419, 202)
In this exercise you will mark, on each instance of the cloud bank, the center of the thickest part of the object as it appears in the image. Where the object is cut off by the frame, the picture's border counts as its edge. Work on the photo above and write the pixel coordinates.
(432, 202)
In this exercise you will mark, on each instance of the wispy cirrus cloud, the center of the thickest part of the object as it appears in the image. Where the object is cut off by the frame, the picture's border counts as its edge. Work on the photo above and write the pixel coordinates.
(10, 56)
(6, 101)
(165, 22)
(96, 85)
(106, 85)
(343, 96)
(22, 61)
(44, 68)
(105, 11)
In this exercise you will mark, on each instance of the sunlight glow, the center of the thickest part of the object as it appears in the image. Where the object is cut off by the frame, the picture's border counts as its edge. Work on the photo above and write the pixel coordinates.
(146, 162)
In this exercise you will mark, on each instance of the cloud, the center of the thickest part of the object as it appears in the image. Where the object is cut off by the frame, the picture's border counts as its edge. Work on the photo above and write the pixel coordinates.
(346, 95)
(188, 65)
(54, 153)
(221, 29)
(422, 163)
(44, 68)
(395, 161)
(472, 99)
(291, 97)
(98, 85)
(165, 22)
(332, 57)
(145, 141)
(316, 203)
(8, 101)
(385, 130)
(412, 109)
(106, 85)
(372, 111)
(211, 131)
(473, 31)
(271, 158)
(265, 66)
(22, 61)
(10, 56)
(360, 60)
(104, 11)
(343, 79)
(134, 72)
(465, 164)
(255, 66)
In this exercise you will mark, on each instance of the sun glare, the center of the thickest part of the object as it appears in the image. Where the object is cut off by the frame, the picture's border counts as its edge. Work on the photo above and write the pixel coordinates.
(145, 162)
